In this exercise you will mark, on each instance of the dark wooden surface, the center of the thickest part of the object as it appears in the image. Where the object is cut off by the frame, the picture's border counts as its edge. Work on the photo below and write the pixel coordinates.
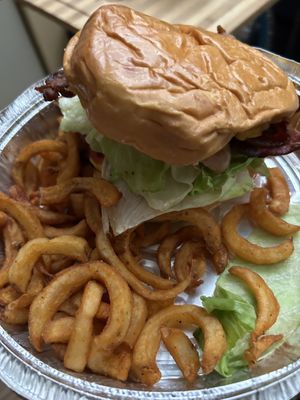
(7, 394)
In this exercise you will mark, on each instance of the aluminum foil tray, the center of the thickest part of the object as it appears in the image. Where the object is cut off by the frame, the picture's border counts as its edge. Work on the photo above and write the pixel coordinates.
(39, 376)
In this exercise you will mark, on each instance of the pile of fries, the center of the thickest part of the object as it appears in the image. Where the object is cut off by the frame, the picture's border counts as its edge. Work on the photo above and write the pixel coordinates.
(86, 293)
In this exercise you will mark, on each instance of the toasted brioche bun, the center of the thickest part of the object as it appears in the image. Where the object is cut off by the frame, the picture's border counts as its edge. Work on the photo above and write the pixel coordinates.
(176, 93)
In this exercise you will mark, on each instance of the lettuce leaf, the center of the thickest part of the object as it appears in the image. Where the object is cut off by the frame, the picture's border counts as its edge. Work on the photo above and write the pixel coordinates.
(208, 180)
(133, 209)
(162, 186)
(74, 116)
(234, 304)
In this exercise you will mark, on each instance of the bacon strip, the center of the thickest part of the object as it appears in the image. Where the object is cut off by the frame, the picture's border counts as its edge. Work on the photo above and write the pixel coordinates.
(55, 85)
(277, 140)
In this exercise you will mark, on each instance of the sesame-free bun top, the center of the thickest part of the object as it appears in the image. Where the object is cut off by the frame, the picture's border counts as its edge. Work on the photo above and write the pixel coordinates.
(176, 93)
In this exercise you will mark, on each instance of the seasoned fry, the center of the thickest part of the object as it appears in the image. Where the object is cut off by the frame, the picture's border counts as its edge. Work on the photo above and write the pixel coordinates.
(31, 178)
(169, 245)
(265, 219)
(76, 355)
(154, 307)
(48, 171)
(94, 255)
(106, 193)
(8, 294)
(51, 156)
(115, 364)
(71, 305)
(17, 193)
(77, 204)
(22, 302)
(80, 229)
(104, 310)
(13, 240)
(70, 281)
(58, 330)
(138, 319)
(3, 219)
(109, 255)
(23, 215)
(93, 218)
(36, 284)
(144, 365)
(21, 268)
(190, 260)
(267, 306)
(280, 192)
(156, 235)
(71, 165)
(182, 350)
(59, 263)
(246, 250)
(59, 350)
(4, 273)
(31, 150)
(260, 346)
(52, 217)
(141, 273)
(14, 316)
(210, 231)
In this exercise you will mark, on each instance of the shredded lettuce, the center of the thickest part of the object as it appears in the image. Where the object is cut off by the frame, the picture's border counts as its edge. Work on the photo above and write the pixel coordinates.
(161, 185)
(234, 305)
(208, 180)
(133, 209)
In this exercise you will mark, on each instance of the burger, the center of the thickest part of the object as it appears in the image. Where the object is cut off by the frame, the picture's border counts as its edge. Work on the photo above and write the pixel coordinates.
(184, 117)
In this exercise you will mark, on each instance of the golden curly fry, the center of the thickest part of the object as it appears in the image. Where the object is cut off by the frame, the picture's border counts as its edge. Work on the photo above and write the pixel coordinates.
(58, 330)
(258, 347)
(13, 239)
(246, 250)
(154, 236)
(71, 165)
(183, 351)
(77, 352)
(31, 150)
(14, 316)
(23, 215)
(93, 218)
(190, 259)
(21, 269)
(267, 306)
(154, 306)
(105, 192)
(77, 204)
(31, 178)
(69, 281)
(169, 244)
(8, 294)
(280, 192)
(144, 365)
(210, 231)
(138, 319)
(50, 217)
(80, 229)
(265, 219)
(115, 364)
(138, 270)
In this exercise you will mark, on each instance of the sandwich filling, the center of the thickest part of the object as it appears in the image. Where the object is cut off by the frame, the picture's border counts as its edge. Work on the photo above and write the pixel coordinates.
(151, 187)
